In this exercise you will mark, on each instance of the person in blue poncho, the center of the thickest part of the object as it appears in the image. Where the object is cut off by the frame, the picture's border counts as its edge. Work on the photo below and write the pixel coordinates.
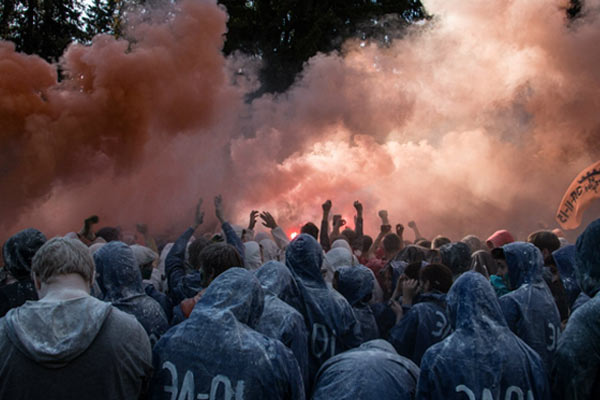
(280, 320)
(482, 358)
(576, 365)
(530, 309)
(331, 324)
(356, 285)
(217, 354)
(120, 281)
(426, 322)
(372, 371)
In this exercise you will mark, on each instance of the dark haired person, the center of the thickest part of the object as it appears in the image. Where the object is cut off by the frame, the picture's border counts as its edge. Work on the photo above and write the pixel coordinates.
(576, 364)
(69, 345)
(482, 358)
(427, 321)
(217, 353)
(356, 285)
(18, 251)
(529, 309)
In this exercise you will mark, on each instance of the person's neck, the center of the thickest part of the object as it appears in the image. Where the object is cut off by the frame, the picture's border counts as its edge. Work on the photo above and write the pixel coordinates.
(64, 287)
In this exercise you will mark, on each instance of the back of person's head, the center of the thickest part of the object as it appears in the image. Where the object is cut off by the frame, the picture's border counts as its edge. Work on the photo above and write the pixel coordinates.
(217, 258)
(109, 233)
(311, 229)
(544, 240)
(194, 251)
(439, 277)
(392, 243)
(413, 270)
(439, 241)
(351, 236)
(423, 243)
(60, 256)
(18, 252)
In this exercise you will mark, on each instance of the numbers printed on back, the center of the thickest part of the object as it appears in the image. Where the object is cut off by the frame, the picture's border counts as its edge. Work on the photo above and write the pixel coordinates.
(188, 387)
(512, 393)
(321, 342)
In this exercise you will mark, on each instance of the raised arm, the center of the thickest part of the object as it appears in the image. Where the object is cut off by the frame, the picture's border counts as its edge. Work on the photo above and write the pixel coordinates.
(412, 225)
(279, 235)
(384, 230)
(230, 236)
(358, 228)
(175, 261)
(324, 234)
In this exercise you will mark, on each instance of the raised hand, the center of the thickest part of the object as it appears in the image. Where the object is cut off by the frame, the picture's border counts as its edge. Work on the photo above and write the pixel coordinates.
(253, 217)
(199, 218)
(268, 220)
(219, 208)
(326, 207)
(359, 207)
(399, 230)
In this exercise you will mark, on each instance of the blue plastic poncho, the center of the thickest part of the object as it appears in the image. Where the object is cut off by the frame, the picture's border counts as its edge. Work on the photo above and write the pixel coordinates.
(331, 324)
(18, 252)
(216, 353)
(425, 324)
(530, 309)
(279, 319)
(456, 256)
(564, 258)
(356, 285)
(482, 358)
(372, 371)
(576, 366)
(120, 281)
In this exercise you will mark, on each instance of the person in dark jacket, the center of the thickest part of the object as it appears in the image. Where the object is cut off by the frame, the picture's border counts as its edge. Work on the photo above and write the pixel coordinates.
(69, 345)
(372, 371)
(356, 285)
(482, 358)
(426, 322)
(280, 320)
(183, 285)
(564, 259)
(331, 324)
(456, 256)
(576, 365)
(120, 281)
(529, 309)
(18, 251)
(217, 352)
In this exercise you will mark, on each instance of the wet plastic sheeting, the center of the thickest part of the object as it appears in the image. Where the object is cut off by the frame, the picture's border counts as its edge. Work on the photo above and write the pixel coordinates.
(576, 366)
(280, 320)
(331, 324)
(425, 324)
(482, 358)
(372, 371)
(216, 353)
(356, 285)
(120, 281)
(529, 309)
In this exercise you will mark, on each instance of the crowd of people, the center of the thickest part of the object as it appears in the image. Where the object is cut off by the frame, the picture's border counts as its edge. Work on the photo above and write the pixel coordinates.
(332, 314)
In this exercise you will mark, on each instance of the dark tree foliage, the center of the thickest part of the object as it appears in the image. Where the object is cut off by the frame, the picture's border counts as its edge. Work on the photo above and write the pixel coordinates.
(43, 27)
(286, 33)
(574, 9)
(103, 16)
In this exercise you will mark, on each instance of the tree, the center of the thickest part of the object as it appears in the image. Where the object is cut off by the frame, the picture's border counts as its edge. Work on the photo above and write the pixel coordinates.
(286, 33)
(43, 27)
(104, 16)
